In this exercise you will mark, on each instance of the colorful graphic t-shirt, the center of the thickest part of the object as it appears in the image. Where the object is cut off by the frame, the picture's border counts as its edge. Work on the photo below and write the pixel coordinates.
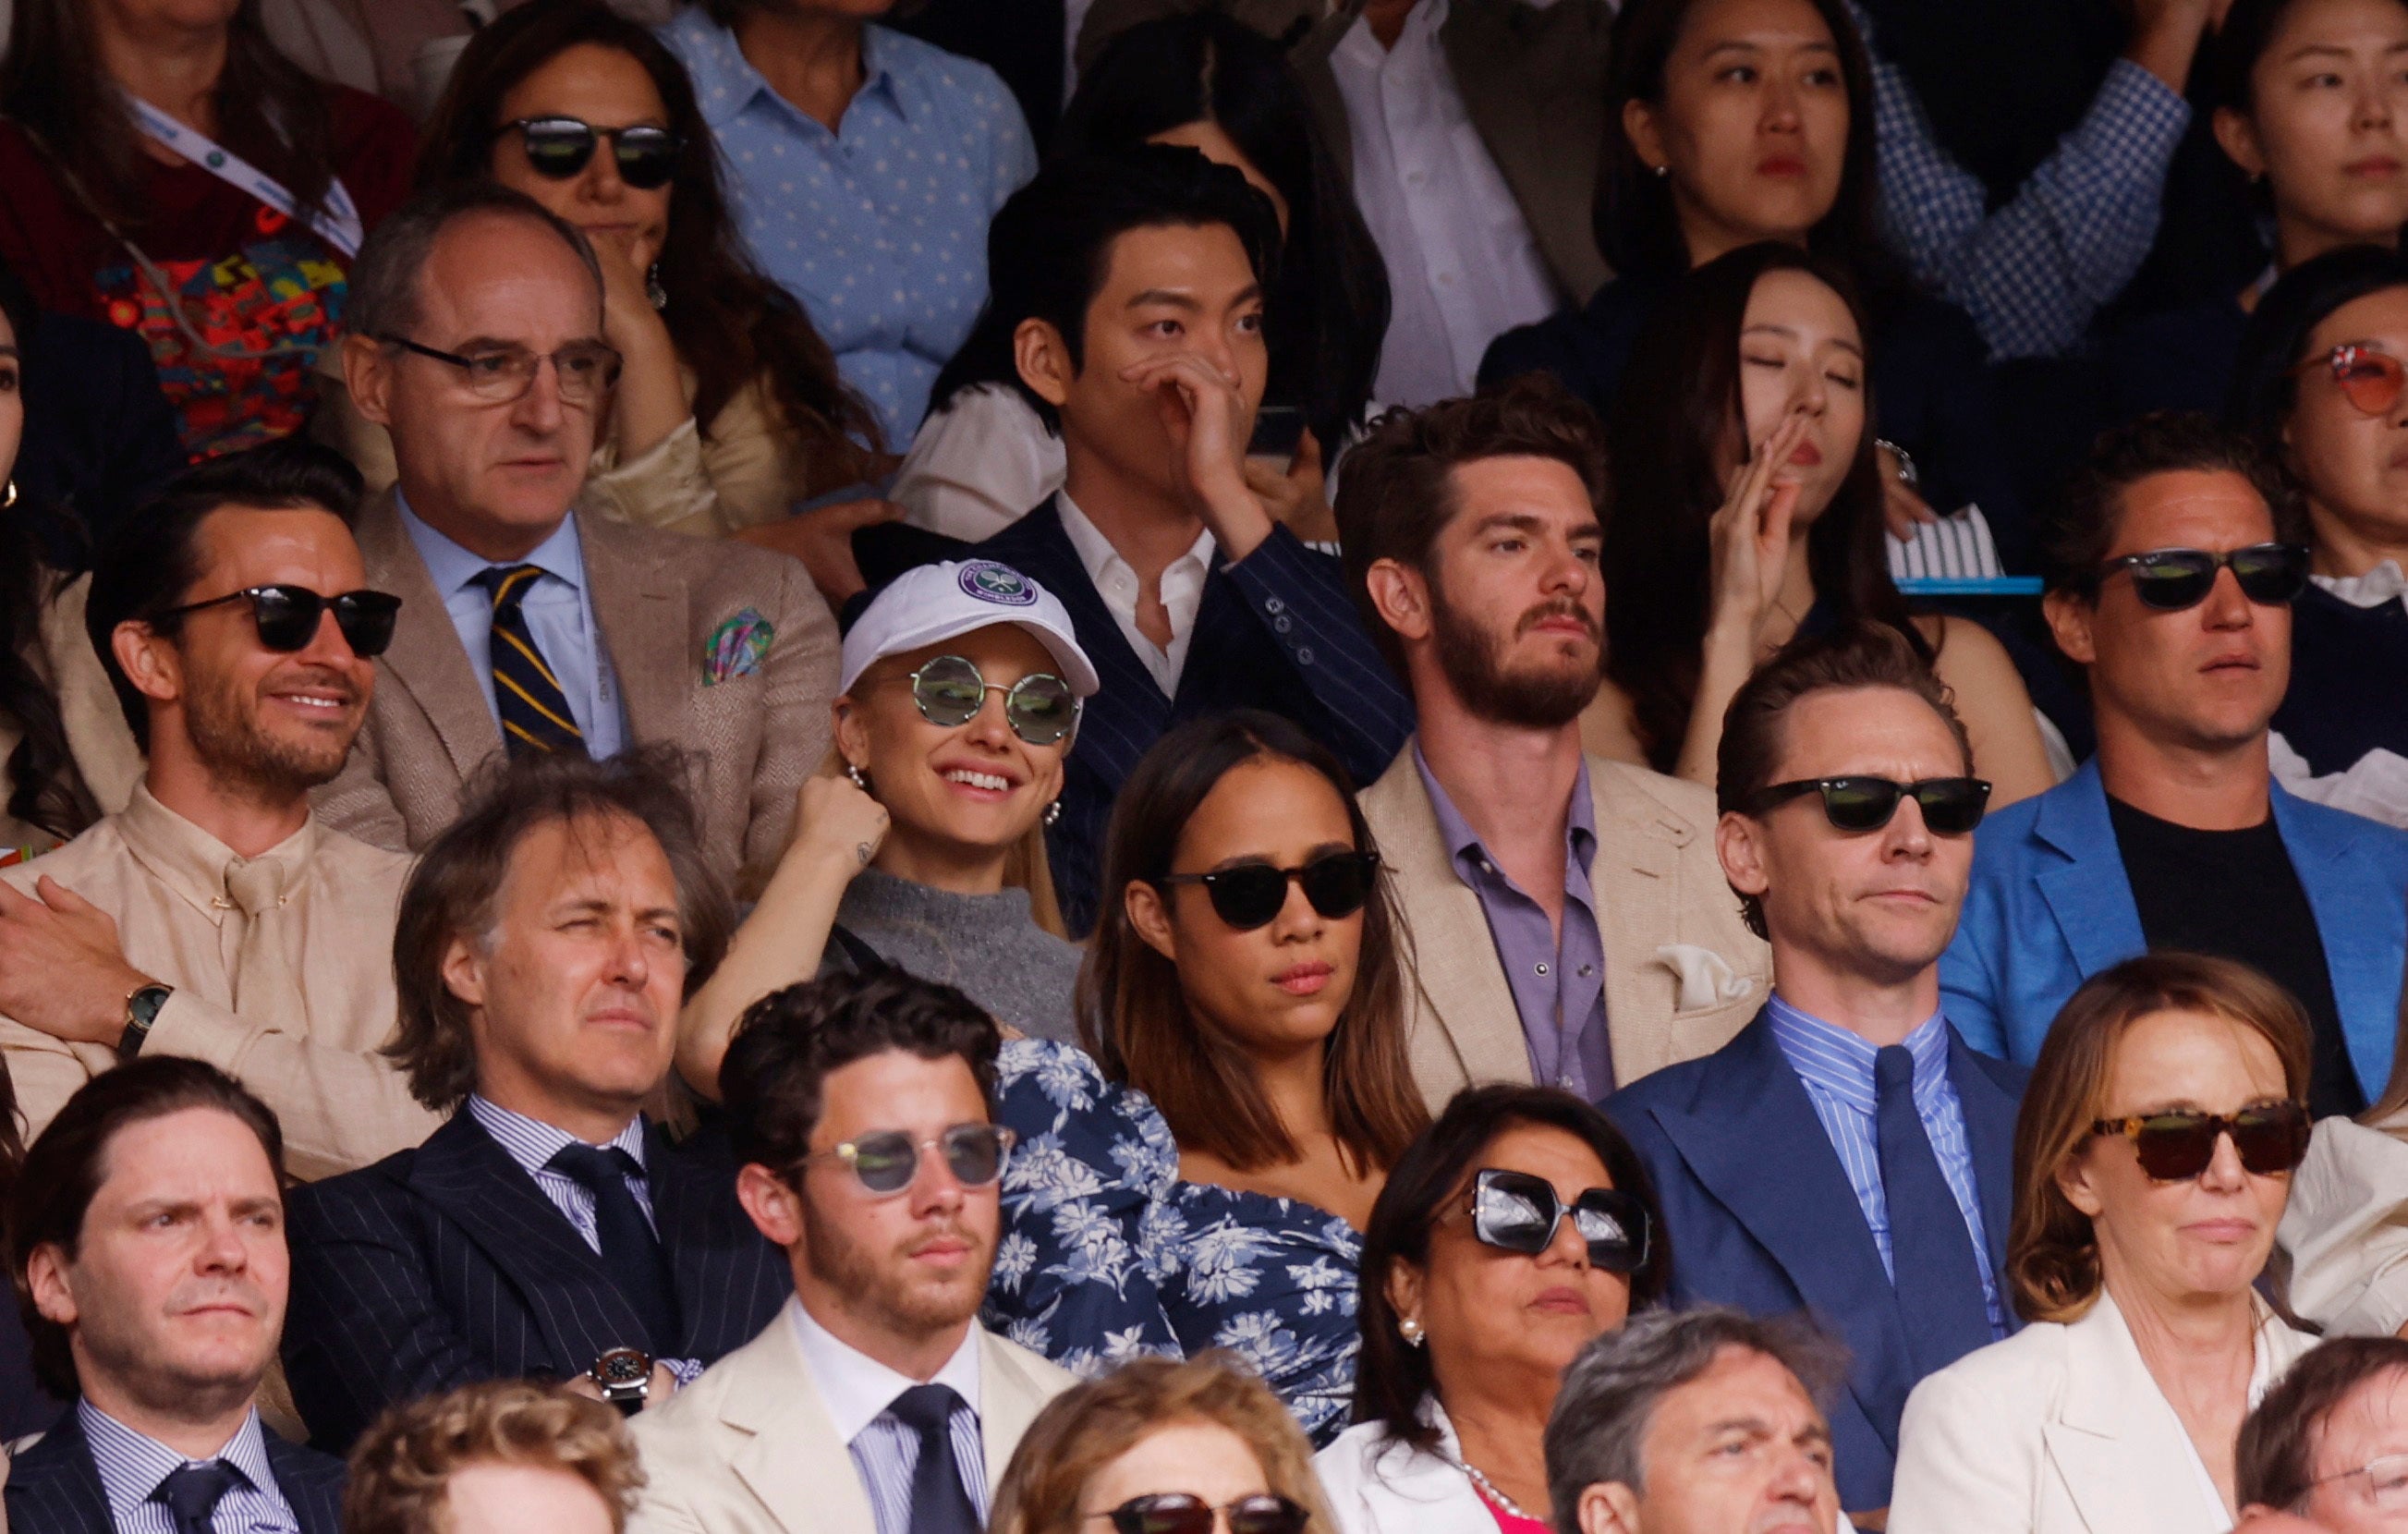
(260, 294)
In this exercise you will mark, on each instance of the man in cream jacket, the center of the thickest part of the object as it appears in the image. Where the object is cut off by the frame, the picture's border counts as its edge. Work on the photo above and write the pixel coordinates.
(874, 1402)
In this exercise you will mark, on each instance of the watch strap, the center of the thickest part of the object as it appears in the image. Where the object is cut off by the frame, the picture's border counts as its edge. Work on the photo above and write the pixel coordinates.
(141, 1011)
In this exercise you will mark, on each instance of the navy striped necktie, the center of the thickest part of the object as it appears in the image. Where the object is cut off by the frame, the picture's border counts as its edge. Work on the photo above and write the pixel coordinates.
(534, 710)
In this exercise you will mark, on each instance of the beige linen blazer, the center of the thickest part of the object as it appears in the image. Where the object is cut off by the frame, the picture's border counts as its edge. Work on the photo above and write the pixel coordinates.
(2060, 1429)
(1682, 974)
(2344, 1233)
(748, 1448)
(658, 599)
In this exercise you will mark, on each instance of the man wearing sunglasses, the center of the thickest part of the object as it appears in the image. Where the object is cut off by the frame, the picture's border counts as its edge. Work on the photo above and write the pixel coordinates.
(214, 915)
(1847, 1153)
(547, 1229)
(860, 1106)
(530, 625)
(1571, 926)
(2170, 582)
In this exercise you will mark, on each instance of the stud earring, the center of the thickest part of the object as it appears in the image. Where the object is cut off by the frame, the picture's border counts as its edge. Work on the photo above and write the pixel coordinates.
(657, 295)
(1663, 170)
(860, 780)
(13, 497)
(1411, 1330)
(1054, 813)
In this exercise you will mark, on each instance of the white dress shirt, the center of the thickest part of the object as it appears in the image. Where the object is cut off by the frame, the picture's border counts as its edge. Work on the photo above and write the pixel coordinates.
(857, 1389)
(1116, 582)
(2376, 785)
(1462, 266)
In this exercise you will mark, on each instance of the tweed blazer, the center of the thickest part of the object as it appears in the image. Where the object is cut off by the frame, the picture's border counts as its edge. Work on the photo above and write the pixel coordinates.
(54, 1488)
(1682, 974)
(750, 1448)
(660, 600)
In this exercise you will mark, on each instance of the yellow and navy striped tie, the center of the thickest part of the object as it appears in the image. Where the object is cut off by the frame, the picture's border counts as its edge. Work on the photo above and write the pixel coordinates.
(535, 712)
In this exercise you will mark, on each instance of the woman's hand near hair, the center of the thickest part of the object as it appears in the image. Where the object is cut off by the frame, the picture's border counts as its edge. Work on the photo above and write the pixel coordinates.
(1749, 536)
(837, 831)
(649, 400)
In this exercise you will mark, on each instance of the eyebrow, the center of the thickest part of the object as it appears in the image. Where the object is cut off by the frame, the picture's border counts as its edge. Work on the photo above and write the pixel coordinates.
(1189, 302)
(2308, 51)
(9, 352)
(1749, 45)
(1790, 332)
(1523, 521)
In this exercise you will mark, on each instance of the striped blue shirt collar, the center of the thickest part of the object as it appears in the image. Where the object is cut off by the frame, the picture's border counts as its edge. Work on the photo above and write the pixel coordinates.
(532, 1144)
(453, 569)
(1841, 1063)
(717, 63)
(133, 1464)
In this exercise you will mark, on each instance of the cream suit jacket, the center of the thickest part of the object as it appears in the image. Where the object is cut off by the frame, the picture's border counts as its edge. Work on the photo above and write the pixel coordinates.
(2345, 1230)
(748, 1448)
(658, 598)
(1683, 973)
(2060, 1429)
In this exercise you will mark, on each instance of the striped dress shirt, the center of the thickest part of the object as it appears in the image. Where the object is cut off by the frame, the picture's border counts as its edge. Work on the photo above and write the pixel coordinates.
(132, 1465)
(1837, 1068)
(857, 1389)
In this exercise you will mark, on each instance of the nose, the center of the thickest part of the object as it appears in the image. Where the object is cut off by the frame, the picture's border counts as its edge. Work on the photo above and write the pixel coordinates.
(1297, 921)
(540, 410)
(601, 183)
(222, 1248)
(991, 724)
(2225, 1173)
(630, 965)
(1780, 108)
(1906, 837)
(1567, 1248)
(1798, 1479)
(2373, 113)
(1569, 574)
(2227, 605)
(934, 1189)
(328, 646)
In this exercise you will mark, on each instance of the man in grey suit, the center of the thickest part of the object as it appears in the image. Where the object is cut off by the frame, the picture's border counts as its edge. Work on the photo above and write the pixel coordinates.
(529, 624)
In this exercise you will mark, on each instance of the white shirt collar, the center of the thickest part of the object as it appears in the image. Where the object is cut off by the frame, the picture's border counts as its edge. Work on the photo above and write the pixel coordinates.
(2381, 584)
(855, 1387)
(1182, 591)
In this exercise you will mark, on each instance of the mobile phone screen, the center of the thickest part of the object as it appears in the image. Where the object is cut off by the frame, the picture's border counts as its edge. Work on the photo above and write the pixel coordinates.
(1277, 427)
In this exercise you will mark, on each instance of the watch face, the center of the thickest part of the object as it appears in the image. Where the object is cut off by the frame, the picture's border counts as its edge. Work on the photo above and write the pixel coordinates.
(621, 1366)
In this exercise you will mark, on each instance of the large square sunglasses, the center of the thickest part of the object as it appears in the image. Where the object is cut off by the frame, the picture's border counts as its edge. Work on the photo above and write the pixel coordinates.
(1250, 894)
(2271, 1138)
(1039, 708)
(2170, 579)
(559, 148)
(1521, 1211)
(1951, 807)
(885, 1162)
(287, 617)
(1184, 1512)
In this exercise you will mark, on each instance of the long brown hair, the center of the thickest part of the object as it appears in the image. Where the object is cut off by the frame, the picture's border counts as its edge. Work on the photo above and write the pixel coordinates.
(1134, 1017)
(2052, 1250)
(269, 109)
(731, 324)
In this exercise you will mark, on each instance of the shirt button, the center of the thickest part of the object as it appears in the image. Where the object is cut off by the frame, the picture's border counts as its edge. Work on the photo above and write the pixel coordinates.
(1541, 969)
(1586, 970)
(1564, 1081)
(1486, 867)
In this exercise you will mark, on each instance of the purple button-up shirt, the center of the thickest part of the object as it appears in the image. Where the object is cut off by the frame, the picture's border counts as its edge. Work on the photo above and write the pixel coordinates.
(1558, 985)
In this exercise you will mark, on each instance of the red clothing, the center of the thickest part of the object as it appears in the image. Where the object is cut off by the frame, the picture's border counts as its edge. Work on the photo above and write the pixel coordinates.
(1508, 1523)
(254, 284)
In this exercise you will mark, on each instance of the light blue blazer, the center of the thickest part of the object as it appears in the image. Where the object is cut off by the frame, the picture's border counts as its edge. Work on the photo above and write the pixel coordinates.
(2050, 906)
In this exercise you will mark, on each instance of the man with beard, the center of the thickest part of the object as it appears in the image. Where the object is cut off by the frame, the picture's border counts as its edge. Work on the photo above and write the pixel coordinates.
(1847, 1154)
(147, 1251)
(548, 1229)
(1576, 895)
(216, 916)
(861, 1107)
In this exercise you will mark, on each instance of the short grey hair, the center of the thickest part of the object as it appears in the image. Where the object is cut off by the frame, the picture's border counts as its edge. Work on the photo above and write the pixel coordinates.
(1597, 1431)
(382, 299)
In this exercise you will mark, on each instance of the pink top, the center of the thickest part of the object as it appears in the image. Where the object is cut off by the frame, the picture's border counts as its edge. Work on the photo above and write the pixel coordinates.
(1508, 1523)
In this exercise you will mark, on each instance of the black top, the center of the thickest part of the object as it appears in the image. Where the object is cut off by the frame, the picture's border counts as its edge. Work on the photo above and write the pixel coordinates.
(2349, 681)
(2235, 895)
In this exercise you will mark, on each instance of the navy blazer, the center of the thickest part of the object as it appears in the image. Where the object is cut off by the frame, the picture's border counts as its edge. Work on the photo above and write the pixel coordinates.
(1276, 630)
(447, 1264)
(1761, 1216)
(54, 1488)
(2051, 906)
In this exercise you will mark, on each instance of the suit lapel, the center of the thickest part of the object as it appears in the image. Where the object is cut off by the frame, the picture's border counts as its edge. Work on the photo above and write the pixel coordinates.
(2350, 893)
(2089, 893)
(1009, 1401)
(643, 617)
(1634, 837)
(568, 1293)
(726, 1272)
(425, 658)
(1130, 713)
(57, 1482)
(795, 1463)
(2112, 1422)
(1989, 1111)
(312, 1482)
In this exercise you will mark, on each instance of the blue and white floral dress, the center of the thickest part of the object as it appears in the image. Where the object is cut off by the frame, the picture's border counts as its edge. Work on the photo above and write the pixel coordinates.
(1107, 1254)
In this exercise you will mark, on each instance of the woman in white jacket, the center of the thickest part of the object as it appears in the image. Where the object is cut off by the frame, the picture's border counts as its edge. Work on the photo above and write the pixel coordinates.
(1517, 1227)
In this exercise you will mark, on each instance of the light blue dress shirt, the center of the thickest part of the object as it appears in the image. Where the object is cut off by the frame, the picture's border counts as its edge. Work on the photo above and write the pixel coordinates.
(132, 1465)
(1836, 1067)
(879, 227)
(559, 613)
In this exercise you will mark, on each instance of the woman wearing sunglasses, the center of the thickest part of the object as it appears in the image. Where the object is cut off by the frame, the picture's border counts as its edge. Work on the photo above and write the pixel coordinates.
(2154, 1155)
(1748, 511)
(1162, 1447)
(2323, 389)
(921, 843)
(1518, 1227)
(728, 410)
(1201, 1176)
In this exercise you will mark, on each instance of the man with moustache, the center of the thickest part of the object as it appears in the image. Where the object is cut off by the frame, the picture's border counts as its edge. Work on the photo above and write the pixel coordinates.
(146, 1252)
(1846, 1153)
(2170, 569)
(875, 1403)
(1576, 895)
(547, 1229)
(216, 916)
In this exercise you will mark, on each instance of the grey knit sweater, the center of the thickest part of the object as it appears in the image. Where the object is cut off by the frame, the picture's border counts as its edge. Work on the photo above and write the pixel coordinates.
(988, 945)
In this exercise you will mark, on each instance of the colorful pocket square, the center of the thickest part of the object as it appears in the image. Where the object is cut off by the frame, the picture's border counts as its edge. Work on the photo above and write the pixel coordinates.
(737, 647)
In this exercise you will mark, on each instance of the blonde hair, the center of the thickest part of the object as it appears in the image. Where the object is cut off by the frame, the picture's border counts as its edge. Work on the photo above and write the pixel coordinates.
(401, 1470)
(1093, 1423)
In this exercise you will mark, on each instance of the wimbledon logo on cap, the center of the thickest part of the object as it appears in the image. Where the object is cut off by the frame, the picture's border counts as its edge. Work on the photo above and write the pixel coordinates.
(1000, 583)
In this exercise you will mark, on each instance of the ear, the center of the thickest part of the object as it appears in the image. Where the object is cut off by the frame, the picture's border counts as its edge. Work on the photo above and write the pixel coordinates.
(2069, 623)
(2237, 136)
(367, 375)
(150, 661)
(1739, 844)
(1147, 915)
(1609, 1507)
(1043, 359)
(1405, 1289)
(1401, 596)
(464, 971)
(2073, 1181)
(46, 1275)
(1639, 125)
(777, 1210)
(852, 735)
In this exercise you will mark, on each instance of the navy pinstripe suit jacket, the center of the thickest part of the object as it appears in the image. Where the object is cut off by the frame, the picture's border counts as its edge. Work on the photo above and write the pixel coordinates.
(1276, 630)
(54, 1488)
(447, 1264)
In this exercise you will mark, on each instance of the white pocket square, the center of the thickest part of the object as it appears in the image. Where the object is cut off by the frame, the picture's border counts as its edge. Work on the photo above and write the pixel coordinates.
(1707, 979)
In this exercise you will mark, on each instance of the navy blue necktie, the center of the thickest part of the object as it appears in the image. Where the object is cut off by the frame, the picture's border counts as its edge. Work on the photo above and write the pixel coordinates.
(1937, 1280)
(193, 1492)
(534, 710)
(629, 1248)
(940, 1504)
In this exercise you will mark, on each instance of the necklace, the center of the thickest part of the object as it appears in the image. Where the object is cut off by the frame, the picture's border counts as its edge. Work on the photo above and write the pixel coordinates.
(1488, 1489)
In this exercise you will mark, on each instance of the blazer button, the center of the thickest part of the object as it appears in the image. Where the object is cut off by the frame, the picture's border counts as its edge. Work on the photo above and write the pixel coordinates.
(1280, 625)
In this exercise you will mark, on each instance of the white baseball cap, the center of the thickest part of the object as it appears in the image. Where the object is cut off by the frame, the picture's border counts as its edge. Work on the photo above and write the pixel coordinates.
(939, 602)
